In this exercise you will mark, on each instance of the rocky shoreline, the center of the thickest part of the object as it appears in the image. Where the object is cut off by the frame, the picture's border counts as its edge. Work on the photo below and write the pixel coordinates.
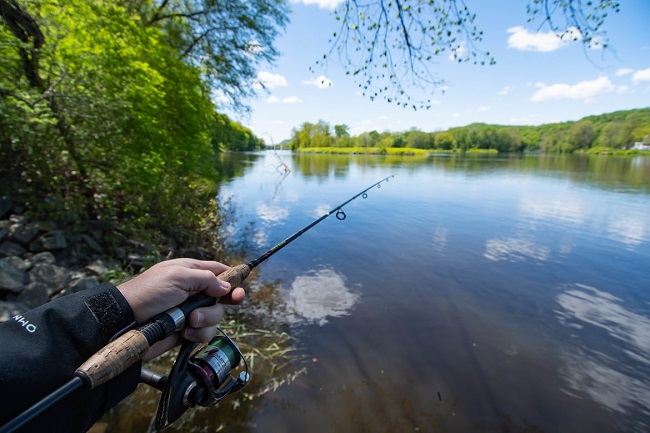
(40, 261)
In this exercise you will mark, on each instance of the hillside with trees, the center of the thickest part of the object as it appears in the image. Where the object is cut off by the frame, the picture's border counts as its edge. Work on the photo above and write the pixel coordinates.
(617, 130)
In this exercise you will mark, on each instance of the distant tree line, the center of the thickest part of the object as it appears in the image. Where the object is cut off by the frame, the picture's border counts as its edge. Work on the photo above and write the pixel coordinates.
(616, 130)
(228, 134)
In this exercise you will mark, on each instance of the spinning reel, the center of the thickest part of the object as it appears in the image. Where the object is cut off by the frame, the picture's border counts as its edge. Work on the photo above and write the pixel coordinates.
(200, 378)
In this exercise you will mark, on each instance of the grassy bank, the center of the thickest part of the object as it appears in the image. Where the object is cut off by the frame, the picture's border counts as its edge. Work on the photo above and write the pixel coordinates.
(602, 150)
(406, 151)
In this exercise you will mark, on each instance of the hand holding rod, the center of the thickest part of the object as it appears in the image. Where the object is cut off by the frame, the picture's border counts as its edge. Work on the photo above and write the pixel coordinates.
(131, 347)
(126, 350)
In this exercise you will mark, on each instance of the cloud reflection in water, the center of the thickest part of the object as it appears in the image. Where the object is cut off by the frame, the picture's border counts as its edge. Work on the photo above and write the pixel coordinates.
(271, 213)
(566, 209)
(321, 210)
(514, 250)
(630, 230)
(318, 295)
(593, 365)
(440, 238)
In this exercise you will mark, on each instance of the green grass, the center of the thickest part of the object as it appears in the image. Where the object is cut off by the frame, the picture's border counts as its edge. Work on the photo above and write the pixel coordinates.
(410, 151)
(342, 150)
(400, 151)
(483, 151)
(602, 150)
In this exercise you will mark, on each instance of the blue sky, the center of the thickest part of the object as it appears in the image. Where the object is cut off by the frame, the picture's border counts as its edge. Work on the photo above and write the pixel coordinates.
(536, 79)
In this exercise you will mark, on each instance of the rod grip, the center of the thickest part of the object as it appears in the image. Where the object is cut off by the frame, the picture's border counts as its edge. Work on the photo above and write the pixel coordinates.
(235, 276)
(128, 349)
(113, 358)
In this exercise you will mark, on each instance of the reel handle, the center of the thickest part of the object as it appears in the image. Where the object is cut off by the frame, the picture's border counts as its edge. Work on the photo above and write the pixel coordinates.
(123, 352)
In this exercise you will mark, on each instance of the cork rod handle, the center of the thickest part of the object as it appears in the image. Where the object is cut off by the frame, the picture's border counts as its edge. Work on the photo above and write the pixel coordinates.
(123, 352)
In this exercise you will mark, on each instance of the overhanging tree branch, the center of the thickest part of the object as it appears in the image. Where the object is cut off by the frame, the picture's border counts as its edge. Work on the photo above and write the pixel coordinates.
(24, 27)
(417, 33)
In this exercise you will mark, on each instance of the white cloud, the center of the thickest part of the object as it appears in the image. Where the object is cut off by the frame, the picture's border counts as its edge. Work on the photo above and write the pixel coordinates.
(322, 82)
(506, 90)
(584, 90)
(270, 81)
(459, 53)
(288, 100)
(624, 90)
(323, 4)
(291, 100)
(623, 71)
(219, 98)
(642, 75)
(483, 108)
(521, 39)
(253, 47)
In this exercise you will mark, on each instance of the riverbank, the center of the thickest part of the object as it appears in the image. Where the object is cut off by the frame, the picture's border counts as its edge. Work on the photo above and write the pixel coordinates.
(400, 151)
(42, 260)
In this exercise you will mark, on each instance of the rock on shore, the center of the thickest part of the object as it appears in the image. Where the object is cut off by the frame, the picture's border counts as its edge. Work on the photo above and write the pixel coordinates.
(40, 261)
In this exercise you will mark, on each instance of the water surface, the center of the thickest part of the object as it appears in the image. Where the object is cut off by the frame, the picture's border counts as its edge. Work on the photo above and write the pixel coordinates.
(467, 294)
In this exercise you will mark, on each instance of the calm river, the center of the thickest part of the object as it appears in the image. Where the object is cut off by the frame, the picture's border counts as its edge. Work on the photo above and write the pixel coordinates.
(467, 294)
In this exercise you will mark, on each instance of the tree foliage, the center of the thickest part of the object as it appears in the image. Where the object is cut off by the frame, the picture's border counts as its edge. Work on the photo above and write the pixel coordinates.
(620, 130)
(231, 135)
(227, 41)
(390, 47)
(105, 113)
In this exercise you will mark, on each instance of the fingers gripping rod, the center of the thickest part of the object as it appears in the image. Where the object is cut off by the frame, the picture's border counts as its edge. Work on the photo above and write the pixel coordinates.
(128, 349)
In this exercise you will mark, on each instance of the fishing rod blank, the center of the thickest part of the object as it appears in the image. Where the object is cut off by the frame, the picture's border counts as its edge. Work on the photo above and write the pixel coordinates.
(129, 348)
(339, 215)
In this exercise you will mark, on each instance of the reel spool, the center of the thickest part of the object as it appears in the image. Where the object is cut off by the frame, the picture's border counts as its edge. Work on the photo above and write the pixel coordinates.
(203, 378)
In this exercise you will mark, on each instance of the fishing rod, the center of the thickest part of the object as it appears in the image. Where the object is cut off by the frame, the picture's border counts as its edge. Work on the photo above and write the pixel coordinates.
(204, 378)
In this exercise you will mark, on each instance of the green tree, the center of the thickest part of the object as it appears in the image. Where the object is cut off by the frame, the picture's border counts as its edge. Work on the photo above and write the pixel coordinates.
(581, 135)
(341, 131)
(444, 140)
(231, 135)
(385, 142)
(227, 41)
(419, 139)
(104, 118)
(311, 135)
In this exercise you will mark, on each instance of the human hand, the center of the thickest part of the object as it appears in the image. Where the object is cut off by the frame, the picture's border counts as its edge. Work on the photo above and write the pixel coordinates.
(167, 284)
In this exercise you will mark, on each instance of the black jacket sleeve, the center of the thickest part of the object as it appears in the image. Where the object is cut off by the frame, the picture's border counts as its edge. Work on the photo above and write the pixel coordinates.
(41, 349)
